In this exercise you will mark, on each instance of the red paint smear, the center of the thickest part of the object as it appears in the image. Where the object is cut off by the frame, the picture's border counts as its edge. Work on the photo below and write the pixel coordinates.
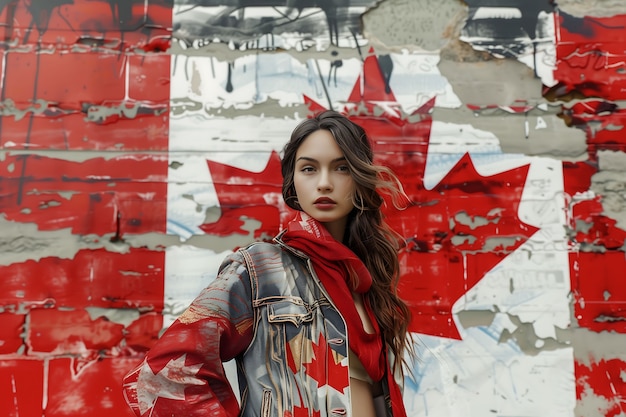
(603, 123)
(602, 379)
(599, 291)
(11, 329)
(435, 281)
(434, 273)
(91, 388)
(21, 384)
(577, 176)
(70, 332)
(91, 23)
(86, 196)
(79, 93)
(72, 132)
(93, 278)
(74, 79)
(591, 227)
(595, 267)
(142, 333)
(597, 254)
(590, 56)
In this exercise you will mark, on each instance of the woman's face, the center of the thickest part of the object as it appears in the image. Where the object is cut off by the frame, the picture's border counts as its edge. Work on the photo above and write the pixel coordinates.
(323, 182)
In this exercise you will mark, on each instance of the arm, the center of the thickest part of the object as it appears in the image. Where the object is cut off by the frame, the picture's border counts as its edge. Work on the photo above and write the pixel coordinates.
(182, 374)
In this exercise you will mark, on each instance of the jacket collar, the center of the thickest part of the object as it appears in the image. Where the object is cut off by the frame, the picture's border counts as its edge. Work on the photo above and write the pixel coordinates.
(279, 241)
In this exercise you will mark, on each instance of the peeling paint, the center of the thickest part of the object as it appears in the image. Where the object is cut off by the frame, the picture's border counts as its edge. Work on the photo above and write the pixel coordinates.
(140, 143)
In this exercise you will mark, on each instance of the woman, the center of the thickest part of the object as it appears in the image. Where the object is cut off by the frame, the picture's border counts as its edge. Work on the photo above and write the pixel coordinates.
(313, 319)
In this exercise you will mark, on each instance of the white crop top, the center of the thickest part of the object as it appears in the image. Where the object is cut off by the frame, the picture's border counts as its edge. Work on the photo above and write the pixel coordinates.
(357, 370)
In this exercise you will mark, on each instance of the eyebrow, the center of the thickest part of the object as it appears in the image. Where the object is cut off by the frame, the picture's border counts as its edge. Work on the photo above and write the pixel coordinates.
(306, 158)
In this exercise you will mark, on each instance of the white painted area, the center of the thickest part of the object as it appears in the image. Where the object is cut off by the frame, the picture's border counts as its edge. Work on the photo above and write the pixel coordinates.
(544, 61)
(243, 142)
(416, 79)
(190, 193)
(255, 78)
(188, 270)
(481, 377)
(497, 13)
(449, 142)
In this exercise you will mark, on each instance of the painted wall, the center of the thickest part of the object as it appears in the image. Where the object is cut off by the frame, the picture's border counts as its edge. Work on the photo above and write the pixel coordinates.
(139, 146)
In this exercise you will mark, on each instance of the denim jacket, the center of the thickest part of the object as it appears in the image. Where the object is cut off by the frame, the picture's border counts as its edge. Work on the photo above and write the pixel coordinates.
(268, 311)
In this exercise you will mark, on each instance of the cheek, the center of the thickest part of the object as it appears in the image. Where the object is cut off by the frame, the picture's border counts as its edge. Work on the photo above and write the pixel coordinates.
(349, 186)
(298, 184)
(345, 191)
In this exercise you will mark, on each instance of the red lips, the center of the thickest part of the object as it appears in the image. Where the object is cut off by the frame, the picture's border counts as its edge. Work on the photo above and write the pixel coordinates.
(325, 204)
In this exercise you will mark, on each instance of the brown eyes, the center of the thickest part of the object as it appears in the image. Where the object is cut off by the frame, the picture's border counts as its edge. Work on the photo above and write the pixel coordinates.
(309, 169)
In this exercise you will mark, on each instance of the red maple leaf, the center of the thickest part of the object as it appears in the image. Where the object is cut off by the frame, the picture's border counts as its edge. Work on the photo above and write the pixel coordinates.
(247, 195)
(301, 412)
(297, 411)
(455, 232)
(324, 363)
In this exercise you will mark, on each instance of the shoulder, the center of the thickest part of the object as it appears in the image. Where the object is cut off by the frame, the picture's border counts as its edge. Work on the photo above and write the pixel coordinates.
(252, 256)
(261, 255)
(253, 250)
(265, 258)
(262, 248)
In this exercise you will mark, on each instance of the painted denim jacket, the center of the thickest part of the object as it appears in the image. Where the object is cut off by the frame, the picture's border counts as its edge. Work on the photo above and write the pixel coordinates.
(267, 310)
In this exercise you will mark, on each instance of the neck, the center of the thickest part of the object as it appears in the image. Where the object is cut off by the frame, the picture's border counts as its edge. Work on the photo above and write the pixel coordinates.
(336, 229)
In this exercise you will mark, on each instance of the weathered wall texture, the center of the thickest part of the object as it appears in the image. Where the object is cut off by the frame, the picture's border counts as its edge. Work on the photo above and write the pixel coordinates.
(139, 144)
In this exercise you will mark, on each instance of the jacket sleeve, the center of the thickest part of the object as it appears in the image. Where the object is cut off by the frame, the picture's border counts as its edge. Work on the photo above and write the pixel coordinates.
(182, 374)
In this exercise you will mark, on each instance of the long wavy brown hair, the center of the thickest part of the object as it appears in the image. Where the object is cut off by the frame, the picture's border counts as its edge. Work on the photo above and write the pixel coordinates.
(367, 234)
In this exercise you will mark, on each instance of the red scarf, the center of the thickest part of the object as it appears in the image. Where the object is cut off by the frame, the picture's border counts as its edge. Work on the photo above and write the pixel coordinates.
(331, 261)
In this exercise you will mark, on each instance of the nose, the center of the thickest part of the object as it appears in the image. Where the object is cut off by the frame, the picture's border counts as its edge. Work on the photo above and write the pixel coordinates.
(324, 183)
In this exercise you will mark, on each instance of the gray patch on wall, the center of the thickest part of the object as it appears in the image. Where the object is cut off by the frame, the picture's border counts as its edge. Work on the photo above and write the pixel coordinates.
(580, 8)
(412, 24)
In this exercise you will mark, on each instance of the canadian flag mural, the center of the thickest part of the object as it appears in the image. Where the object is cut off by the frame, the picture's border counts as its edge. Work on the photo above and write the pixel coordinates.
(140, 144)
